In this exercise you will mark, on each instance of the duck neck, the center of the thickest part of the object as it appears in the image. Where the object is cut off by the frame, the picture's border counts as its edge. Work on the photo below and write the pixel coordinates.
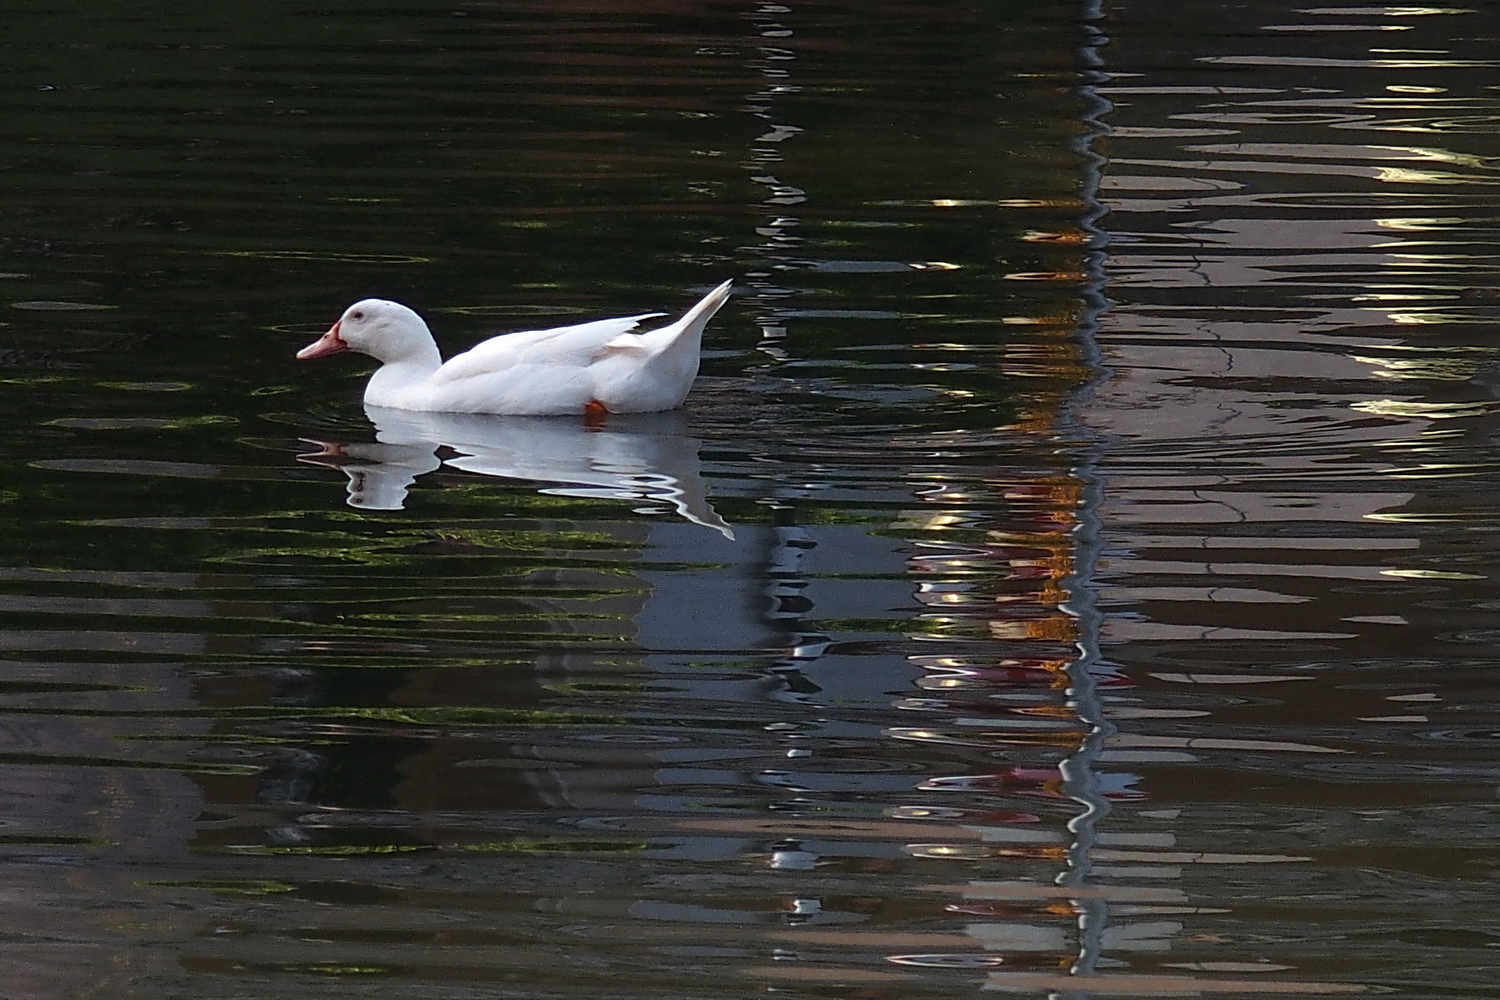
(395, 378)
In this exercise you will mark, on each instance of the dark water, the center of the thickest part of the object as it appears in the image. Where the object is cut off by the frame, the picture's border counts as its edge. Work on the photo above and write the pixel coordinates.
(1074, 574)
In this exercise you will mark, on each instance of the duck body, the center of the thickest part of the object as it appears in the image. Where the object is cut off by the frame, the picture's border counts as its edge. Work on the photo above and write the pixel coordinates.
(591, 368)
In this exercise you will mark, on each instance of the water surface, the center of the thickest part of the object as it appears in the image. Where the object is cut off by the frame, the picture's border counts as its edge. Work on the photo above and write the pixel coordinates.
(1071, 576)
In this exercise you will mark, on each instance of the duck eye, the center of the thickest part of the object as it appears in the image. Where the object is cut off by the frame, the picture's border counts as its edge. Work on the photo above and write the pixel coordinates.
(357, 314)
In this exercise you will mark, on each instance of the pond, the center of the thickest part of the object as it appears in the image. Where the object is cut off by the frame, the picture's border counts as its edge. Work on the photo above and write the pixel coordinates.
(1073, 574)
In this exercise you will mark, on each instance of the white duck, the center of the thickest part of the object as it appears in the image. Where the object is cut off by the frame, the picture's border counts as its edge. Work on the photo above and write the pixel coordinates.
(592, 368)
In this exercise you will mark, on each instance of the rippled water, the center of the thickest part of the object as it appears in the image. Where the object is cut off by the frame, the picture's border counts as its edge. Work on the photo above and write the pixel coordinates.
(1073, 574)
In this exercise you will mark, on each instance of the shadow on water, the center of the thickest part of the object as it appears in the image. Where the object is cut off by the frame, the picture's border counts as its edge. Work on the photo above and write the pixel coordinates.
(1105, 430)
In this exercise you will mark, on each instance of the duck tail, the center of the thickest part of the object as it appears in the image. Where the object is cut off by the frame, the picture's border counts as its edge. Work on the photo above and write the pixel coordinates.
(682, 337)
(704, 311)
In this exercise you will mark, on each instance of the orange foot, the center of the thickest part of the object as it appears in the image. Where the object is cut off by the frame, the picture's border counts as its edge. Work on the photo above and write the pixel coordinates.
(594, 413)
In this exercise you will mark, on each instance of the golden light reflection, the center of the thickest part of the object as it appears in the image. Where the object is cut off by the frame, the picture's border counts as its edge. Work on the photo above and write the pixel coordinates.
(1403, 517)
(1059, 627)
(1424, 409)
(1074, 237)
(1445, 349)
(1418, 224)
(932, 522)
(1426, 318)
(1337, 27)
(1392, 11)
(1437, 155)
(1331, 62)
(1068, 276)
(1431, 574)
(1434, 470)
(945, 960)
(1405, 175)
(1425, 368)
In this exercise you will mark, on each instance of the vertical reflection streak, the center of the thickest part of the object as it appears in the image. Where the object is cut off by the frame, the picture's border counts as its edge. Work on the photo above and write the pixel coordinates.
(778, 230)
(787, 543)
(1079, 780)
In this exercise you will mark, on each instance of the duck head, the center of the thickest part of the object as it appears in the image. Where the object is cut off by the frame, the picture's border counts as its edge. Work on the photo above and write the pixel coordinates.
(387, 331)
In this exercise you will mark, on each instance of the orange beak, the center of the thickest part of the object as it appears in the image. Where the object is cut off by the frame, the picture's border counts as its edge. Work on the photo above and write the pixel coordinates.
(329, 343)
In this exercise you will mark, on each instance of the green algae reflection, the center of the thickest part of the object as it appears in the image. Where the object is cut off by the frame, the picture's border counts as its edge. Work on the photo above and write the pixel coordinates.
(557, 846)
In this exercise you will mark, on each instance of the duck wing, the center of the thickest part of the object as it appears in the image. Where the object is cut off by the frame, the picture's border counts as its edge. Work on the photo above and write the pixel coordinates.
(570, 346)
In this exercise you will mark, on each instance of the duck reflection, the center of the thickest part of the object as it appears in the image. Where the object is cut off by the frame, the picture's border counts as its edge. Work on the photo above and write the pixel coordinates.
(645, 456)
